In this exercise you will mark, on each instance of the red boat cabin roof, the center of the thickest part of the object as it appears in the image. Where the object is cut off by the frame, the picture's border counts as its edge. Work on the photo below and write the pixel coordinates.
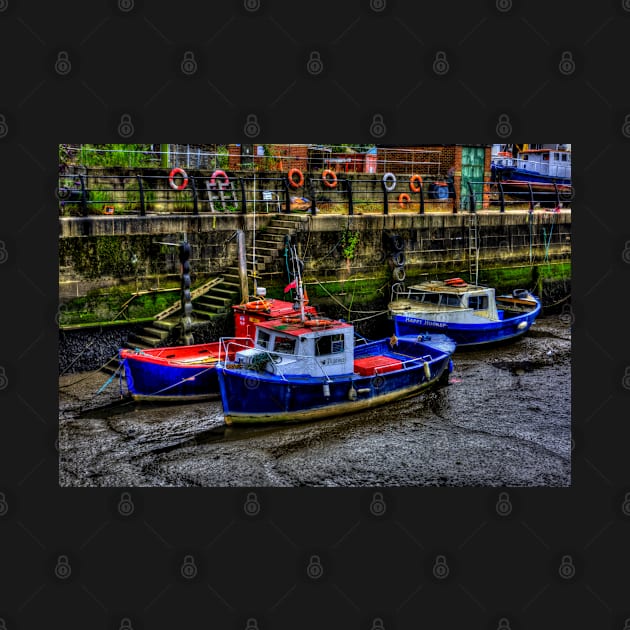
(298, 328)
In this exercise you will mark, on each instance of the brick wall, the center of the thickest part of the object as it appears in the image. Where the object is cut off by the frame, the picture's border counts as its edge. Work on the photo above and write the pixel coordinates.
(283, 157)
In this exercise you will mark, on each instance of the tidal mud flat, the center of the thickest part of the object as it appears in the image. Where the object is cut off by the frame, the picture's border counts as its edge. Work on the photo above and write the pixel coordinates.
(504, 419)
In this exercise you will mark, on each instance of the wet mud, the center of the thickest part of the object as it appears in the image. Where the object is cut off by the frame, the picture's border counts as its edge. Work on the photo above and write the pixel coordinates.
(504, 419)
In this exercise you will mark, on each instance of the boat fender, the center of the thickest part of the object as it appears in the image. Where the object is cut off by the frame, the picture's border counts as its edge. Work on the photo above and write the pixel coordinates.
(393, 341)
(329, 178)
(364, 390)
(522, 325)
(451, 367)
(352, 394)
(326, 390)
(399, 274)
(171, 179)
(291, 176)
(415, 183)
(398, 258)
(217, 174)
(397, 242)
(391, 178)
(427, 370)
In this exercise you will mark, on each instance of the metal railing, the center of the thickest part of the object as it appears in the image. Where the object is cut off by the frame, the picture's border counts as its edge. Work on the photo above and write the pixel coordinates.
(179, 192)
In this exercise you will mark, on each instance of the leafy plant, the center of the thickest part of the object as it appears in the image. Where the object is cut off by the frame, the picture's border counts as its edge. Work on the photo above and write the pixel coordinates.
(349, 242)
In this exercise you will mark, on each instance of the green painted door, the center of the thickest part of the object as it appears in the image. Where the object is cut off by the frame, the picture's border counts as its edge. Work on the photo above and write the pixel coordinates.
(472, 171)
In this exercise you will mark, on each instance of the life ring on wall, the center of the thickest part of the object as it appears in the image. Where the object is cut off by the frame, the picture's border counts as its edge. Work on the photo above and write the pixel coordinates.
(217, 174)
(171, 178)
(332, 182)
(415, 187)
(292, 182)
(389, 177)
(257, 305)
(403, 200)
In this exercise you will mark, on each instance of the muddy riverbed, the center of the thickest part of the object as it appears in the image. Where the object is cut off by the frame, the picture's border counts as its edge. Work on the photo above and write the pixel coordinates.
(504, 419)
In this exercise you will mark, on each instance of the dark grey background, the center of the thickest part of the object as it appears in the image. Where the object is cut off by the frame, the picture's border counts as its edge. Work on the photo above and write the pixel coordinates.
(311, 558)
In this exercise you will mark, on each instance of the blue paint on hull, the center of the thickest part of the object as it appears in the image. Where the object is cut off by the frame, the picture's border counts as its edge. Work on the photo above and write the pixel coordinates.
(468, 334)
(146, 380)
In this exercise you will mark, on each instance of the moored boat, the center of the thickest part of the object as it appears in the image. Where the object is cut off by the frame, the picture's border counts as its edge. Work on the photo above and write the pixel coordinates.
(469, 314)
(187, 373)
(303, 369)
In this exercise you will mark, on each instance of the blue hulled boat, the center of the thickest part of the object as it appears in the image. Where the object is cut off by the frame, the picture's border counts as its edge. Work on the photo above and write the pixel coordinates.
(469, 314)
(308, 369)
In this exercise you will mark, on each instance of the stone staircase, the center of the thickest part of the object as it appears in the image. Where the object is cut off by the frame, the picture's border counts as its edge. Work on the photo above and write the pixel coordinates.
(218, 299)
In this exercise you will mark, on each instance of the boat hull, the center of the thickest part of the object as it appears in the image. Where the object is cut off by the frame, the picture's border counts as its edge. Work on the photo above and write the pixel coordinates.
(467, 335)
(156, 378)
(261, 397)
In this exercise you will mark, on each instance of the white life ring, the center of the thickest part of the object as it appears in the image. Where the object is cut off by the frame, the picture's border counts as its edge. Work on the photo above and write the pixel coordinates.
(389, 177)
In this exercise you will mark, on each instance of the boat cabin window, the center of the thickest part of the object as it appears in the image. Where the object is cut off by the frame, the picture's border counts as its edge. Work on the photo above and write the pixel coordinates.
(564, 157)
(450, 300)
(263, 339)
(284, 344)
(329, 344)
(431, 298)
(478, 302)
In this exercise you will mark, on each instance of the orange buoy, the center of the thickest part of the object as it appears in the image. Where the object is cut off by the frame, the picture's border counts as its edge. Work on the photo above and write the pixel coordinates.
(329, 178)
(291, 176)
(415, 183)
(403, 200)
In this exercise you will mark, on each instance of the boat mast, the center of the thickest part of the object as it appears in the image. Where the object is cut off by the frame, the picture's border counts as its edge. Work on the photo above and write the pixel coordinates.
(298, 275)
(254, 275)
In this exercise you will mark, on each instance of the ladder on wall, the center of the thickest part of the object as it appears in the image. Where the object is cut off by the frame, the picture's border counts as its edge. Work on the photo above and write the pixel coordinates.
(473, 248)
(220, 197)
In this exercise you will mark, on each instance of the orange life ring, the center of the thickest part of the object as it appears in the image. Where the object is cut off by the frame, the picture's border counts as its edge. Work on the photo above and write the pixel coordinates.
(217, 174)
(257, 305)
(171, 179)
(330, 183)
(313, 323)
(292, 182)
(403, 200)
(412, 183)
(291, 320)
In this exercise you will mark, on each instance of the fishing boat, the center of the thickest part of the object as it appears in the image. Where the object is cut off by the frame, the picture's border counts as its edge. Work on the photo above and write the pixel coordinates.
(469, 314)
(187, 373)
(309, 368)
